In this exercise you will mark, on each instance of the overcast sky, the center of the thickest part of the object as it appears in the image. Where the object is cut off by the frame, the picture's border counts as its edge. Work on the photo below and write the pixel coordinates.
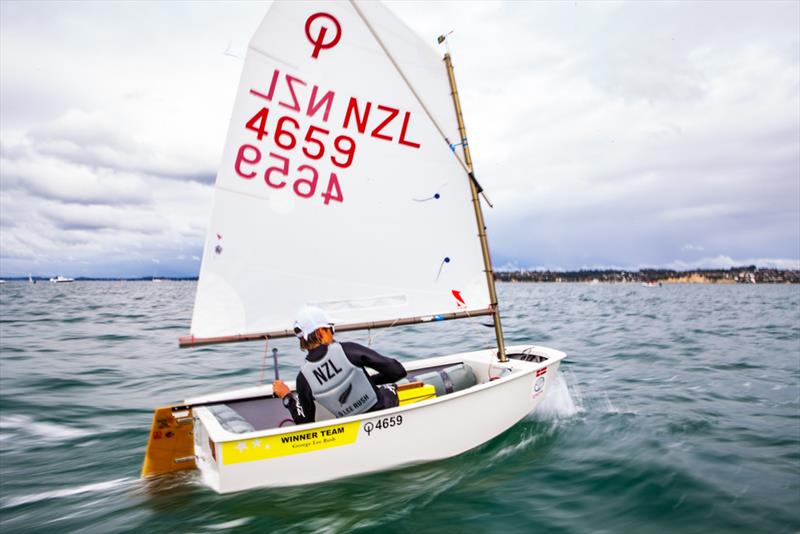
(606, 134)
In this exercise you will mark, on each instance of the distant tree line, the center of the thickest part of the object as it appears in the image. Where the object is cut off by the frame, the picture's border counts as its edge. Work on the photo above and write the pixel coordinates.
(742, 275)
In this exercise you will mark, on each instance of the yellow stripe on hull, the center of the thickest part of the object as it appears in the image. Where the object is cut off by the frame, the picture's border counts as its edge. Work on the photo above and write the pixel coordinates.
(249, 450)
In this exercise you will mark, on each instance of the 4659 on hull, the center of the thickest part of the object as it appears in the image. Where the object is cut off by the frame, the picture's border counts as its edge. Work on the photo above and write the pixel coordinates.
(238, 442)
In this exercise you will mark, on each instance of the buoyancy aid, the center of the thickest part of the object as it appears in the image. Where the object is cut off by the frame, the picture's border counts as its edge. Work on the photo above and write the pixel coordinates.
(338, 385)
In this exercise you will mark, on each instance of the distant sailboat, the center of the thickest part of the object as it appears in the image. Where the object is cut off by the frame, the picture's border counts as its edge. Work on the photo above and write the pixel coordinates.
(30, 279)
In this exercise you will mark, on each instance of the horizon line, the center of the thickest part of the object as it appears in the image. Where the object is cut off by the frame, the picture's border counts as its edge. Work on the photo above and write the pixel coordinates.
(500, 270)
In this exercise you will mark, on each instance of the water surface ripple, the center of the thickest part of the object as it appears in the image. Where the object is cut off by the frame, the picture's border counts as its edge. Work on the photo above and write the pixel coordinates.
(677, 410)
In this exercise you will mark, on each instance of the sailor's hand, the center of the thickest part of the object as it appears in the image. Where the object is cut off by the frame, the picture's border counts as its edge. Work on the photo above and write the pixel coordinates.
(280, 389)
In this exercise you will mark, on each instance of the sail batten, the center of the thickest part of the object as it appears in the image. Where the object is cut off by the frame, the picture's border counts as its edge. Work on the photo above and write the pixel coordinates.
(335, 186)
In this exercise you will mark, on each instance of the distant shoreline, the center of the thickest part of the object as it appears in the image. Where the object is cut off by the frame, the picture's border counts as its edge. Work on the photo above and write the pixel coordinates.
(40, 279)
(735, 275)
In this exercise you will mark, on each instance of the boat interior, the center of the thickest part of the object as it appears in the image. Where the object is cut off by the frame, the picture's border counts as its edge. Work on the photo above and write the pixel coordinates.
(267, 412)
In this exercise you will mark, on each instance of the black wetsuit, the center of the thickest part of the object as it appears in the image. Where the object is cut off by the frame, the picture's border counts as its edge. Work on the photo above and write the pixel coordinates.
(389, 371)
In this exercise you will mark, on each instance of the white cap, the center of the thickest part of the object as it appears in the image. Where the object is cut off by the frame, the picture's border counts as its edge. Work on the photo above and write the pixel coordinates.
(309, 319)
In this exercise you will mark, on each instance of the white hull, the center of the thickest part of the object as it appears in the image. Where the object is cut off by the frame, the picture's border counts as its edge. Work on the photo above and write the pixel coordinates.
(335, 448)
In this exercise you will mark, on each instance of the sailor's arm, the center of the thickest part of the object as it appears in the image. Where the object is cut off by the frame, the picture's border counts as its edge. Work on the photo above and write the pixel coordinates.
(300, 404)
(389, 369)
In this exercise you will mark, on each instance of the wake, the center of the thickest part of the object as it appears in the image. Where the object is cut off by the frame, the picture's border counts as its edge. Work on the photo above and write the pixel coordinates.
(558, 402)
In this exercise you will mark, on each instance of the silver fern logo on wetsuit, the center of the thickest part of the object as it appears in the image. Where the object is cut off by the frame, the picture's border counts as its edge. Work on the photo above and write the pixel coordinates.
(338, 385)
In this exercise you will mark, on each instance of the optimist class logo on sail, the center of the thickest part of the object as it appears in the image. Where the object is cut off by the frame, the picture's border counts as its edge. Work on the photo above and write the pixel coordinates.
(319, 41)
(299, 131)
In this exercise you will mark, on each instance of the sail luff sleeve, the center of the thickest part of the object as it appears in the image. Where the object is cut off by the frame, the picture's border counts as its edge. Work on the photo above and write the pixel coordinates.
(402, 74)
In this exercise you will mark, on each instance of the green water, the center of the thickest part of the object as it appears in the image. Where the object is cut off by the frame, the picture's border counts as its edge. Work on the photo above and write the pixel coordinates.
(677, 410)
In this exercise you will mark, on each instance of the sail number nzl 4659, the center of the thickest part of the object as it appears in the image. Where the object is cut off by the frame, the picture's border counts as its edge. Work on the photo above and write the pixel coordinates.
(288, 155)
(279, 170)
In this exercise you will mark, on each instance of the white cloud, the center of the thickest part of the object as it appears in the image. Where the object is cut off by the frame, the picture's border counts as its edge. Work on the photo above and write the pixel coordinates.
(606, 134)
(99, 139)
(690, 247)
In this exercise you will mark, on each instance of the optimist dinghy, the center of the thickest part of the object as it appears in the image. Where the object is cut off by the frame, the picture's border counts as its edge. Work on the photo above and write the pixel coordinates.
(346, 183)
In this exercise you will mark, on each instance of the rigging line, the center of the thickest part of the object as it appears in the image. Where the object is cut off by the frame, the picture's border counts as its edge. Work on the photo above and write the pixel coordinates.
(264, 360)
(488, 335)
(489, 343)
(371, 338)
(408, 83)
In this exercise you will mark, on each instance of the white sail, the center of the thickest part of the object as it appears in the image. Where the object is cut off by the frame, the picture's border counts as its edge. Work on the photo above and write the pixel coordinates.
(337, 186)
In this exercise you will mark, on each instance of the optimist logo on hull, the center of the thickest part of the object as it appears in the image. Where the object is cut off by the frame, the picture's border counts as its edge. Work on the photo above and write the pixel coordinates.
(250, 450)
(538, 385)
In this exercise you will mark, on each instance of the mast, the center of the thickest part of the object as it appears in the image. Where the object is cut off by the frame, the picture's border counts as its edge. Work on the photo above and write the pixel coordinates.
(475, 190)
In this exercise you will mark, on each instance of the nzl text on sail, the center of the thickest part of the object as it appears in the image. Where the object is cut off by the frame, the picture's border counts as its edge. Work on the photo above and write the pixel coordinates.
(290, 95)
